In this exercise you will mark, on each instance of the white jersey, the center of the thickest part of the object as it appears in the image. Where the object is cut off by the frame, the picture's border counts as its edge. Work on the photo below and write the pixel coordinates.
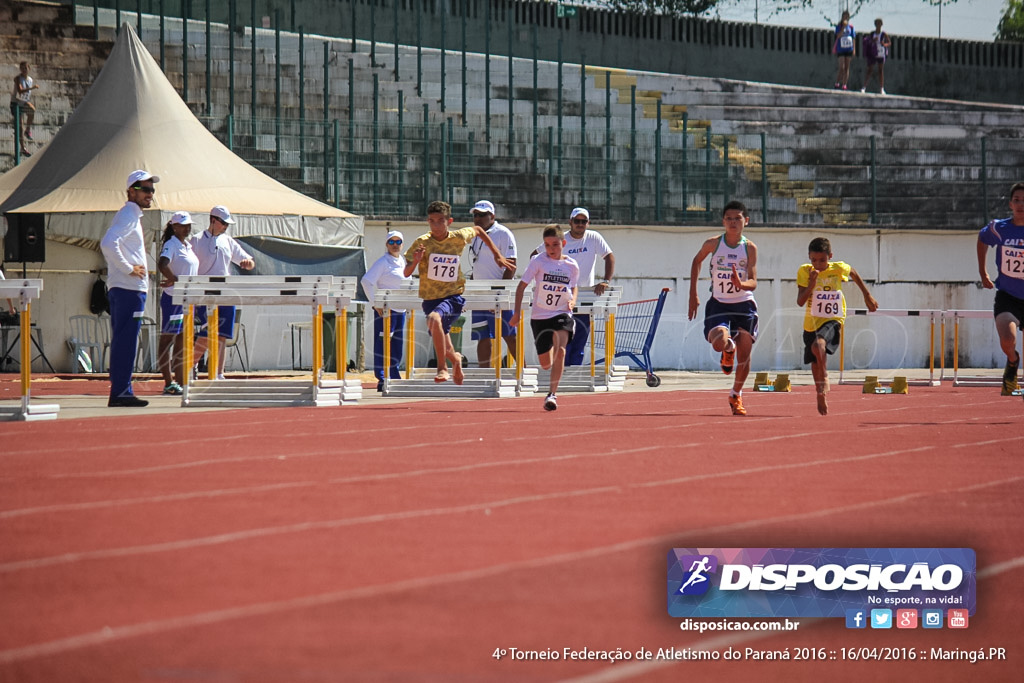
(216, 254)
(552, 285)
(722, 261)
(387, 272)
(182, 259)
(585, 251)
(484, 267)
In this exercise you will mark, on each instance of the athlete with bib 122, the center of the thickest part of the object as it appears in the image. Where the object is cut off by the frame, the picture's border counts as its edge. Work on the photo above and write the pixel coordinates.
(730, 316)
(438, 257)
(1007, 236)
(819, 288)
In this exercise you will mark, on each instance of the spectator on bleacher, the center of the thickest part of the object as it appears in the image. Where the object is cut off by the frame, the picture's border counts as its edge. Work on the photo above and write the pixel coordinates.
(876, 49)
(438, 257)
(1007, 236)
(216, 251)
(124, 248)
(387, 272)
(21, 99)
(585, 247)
(486, 269)
(176, 258)
(844, 47)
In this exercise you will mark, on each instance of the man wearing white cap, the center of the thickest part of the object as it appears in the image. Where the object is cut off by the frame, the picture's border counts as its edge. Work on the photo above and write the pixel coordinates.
(216, 251)
(387, 272)
(487, 269)
(124, 249)
(176, 259)
(585, 247)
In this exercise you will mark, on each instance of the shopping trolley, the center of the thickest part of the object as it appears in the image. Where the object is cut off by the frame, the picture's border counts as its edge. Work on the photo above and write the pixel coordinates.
(635, 325)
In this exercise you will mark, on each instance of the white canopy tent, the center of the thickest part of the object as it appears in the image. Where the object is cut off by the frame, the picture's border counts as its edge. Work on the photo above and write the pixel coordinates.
(133, 118)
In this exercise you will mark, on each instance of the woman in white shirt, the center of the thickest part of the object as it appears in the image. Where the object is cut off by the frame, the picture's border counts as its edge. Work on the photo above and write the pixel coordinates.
(387, 272)
(176, 258)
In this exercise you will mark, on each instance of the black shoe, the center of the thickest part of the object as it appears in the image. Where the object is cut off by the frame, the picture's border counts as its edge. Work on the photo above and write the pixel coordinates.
(380, 385)
(127, 402)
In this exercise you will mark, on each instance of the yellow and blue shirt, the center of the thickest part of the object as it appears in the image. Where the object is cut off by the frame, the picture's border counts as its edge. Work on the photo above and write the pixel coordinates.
(826, 301)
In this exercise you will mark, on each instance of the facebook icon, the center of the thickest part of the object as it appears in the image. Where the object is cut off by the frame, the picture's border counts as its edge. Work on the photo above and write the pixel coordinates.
(856, 618)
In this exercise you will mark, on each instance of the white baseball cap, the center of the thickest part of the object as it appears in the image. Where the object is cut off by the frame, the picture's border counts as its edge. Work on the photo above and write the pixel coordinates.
(222, 213)
(181, 218)
(482, 206)
(139, 176)
(579, 211)
(394, 234)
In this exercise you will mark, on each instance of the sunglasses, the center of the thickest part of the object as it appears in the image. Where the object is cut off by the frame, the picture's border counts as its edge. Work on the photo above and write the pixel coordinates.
(581, 221)
(393, 242)
(144, 188)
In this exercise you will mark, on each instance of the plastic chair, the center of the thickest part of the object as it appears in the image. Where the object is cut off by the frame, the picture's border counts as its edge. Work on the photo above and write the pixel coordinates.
(233, 342)
(85, 343)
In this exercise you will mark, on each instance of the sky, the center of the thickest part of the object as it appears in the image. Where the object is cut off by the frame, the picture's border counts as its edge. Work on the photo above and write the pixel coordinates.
(964, 19)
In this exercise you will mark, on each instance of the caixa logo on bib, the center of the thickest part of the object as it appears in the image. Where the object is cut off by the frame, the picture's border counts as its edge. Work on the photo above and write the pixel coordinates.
(819, 582)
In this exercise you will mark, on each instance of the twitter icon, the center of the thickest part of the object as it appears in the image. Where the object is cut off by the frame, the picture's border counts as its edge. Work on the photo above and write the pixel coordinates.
(881, 618)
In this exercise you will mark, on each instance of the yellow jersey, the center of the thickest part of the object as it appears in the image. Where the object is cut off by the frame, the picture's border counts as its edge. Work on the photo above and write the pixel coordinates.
(440, 269)
(826, 301)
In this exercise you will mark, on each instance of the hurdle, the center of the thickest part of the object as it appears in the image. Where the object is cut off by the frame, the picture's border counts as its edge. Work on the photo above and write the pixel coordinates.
(595, 376)
(956, 315)
(931, 314)
(315, 291)
(495, 296)
(25, 292)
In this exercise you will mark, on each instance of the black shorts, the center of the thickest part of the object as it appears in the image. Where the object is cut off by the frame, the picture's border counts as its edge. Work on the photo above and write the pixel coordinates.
(831, 331)
(1008, 303)
(544, 331)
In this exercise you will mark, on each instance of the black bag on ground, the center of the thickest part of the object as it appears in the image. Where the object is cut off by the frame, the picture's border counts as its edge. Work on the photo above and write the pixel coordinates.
(98, 301)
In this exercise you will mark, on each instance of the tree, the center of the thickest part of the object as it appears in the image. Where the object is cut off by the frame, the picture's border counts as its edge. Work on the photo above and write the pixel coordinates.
(1011, 26)
(666, 7)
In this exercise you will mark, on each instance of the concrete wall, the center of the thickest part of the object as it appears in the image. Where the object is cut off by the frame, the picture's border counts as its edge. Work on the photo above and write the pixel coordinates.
(935, 270)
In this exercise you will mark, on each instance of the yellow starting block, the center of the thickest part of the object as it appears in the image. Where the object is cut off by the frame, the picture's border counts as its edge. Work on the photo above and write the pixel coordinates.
(762, 383)
(898, 386)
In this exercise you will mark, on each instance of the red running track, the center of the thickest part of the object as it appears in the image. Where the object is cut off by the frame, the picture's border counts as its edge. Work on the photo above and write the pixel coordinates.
(410, 541)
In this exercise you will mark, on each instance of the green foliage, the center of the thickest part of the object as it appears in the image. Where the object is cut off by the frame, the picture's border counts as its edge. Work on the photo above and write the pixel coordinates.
(1011, 26)
(674, 8)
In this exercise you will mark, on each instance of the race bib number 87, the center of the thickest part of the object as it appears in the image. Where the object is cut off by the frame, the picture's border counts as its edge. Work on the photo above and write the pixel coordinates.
(552, 297)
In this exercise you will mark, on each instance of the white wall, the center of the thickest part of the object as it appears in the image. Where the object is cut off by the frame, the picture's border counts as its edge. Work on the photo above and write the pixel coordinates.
(905, 270)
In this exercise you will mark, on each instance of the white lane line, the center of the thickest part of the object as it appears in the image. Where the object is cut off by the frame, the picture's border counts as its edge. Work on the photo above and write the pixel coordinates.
(109, 634)
(319, 525)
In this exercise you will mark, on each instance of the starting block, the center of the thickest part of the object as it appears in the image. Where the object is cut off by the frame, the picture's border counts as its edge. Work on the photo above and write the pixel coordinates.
(762, 383)
(898, 386)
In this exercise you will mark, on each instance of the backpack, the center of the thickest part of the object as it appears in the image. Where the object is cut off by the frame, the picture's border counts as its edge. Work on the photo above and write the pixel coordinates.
(98, 301)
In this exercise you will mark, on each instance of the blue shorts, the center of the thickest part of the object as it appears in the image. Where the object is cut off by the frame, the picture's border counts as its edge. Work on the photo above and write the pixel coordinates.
(741, 315)
(171, 316)
(449, 308)
(483, 324)
(225, 321)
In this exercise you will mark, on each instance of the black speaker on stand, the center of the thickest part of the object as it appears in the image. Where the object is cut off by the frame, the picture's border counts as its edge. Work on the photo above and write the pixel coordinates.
(26, 238)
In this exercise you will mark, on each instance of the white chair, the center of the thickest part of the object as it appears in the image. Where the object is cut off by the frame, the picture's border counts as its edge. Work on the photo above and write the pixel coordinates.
(85, 343)
(243, 354)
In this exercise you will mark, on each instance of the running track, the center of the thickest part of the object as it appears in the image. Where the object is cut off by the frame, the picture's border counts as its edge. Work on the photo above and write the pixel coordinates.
(396, 542)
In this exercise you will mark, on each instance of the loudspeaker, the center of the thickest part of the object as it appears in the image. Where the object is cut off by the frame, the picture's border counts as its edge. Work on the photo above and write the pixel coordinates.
(26, 239)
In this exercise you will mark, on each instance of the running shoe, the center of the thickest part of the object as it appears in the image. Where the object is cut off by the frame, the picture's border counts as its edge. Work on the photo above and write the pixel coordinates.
(551, 402)
(173, 389)
(728, 356)
(28, 133)
(736, 403)
(1010, 377)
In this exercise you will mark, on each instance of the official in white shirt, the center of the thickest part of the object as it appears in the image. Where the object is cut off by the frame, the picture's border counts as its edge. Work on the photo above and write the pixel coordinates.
(486, 268)
(216, 251)
(387, 272)
(124, 249)
(176, 259)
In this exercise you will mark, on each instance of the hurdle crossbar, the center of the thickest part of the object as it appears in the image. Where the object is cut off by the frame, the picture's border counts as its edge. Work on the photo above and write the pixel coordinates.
(315, 291)
(931, 314)
(956, 315)
(24, 292)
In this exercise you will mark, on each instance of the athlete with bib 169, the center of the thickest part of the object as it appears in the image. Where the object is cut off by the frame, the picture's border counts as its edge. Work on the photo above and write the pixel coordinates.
(820, 288)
